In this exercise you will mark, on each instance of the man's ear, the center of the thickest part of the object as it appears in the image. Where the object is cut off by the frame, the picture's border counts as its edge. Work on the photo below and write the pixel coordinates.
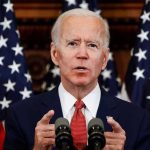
(54, 53)
(105, 59)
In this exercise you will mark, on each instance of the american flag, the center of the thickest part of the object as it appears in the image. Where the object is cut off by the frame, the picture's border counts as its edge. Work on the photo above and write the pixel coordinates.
(15, 81)
(85, 4)
(137, 79)
(108, 78)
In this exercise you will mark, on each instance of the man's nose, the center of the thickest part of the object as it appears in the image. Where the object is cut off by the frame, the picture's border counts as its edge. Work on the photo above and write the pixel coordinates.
(82, 52)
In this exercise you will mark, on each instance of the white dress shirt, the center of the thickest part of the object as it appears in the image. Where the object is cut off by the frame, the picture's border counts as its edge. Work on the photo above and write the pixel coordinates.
(91, 102)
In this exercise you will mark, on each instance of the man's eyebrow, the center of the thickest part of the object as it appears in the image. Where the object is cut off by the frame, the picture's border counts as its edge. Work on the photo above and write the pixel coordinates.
(73, 39)
(90, 40)
(93, 41)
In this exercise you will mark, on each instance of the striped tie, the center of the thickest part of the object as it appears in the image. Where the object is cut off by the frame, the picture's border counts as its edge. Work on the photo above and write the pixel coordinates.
(78, 127)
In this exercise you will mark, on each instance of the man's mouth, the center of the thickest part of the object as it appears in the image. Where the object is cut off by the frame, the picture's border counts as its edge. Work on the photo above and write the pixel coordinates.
(81, 68)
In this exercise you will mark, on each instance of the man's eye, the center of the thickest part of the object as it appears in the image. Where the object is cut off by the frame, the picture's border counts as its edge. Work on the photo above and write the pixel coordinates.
(72, 44)
(92, 45)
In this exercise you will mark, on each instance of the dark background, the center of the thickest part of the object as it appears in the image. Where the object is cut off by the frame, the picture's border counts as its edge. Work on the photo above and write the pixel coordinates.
(36, 17)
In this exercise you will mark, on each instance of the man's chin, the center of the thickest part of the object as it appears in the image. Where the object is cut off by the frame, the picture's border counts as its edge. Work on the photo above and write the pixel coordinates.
(81, 83)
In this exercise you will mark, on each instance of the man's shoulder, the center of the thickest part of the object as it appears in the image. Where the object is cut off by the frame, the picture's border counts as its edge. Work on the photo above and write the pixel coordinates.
(35, 100)
(34, 108)
(124, 106)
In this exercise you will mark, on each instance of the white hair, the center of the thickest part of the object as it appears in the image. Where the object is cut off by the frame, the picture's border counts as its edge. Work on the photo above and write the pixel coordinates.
(55, 32)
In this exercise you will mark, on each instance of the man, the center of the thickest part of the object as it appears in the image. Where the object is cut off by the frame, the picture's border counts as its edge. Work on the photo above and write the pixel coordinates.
(80, 40)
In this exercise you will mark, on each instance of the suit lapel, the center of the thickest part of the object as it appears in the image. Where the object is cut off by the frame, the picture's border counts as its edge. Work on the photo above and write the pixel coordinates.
(107, 107)
(52, 101)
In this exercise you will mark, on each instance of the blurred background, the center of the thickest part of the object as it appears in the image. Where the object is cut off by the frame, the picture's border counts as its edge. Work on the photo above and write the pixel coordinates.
(36, 17)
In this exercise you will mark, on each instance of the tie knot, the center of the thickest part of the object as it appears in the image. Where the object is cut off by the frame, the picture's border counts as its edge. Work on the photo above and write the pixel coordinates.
(79, 104)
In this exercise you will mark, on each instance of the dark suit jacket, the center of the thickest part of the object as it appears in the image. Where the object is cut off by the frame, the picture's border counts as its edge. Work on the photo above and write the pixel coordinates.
(23, 117)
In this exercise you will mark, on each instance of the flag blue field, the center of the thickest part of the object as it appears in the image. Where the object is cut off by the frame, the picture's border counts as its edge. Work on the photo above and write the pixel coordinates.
(137, 79)
(15, 80)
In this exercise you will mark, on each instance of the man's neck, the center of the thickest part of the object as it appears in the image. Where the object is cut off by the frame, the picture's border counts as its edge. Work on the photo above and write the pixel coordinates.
(79, 92)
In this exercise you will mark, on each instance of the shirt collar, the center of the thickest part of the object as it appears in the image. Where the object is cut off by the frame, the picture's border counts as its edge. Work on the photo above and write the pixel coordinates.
(66, 99)
(91, 101)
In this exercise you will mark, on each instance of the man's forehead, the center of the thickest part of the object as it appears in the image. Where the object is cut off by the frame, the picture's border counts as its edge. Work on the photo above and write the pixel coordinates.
(85, 39)
(77, 28)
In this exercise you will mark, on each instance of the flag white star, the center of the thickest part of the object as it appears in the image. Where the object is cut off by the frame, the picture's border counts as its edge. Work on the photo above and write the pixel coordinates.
(145, 17)
(106, 74)
(3, 41)
(84, 5)
(9, 6)
(25, 93)
(147, 1)
(132, 50)
(43, 86)
(10, 85)
(110, 57)
(27, 75)
(5, 103)
(55, 71)
(51, 87)
(138, 73)
(14, 67)
(18, 33)
(71, 2)
(1, 61)
(47, 67)
(141, 54)
(118, 80)
(18, 49)
(143, 35)
(6, 23)
(106, 89)
(148, 97)
(98, 12)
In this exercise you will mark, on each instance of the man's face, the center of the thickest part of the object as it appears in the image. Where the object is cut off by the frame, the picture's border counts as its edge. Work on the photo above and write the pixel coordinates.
(79, 53)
